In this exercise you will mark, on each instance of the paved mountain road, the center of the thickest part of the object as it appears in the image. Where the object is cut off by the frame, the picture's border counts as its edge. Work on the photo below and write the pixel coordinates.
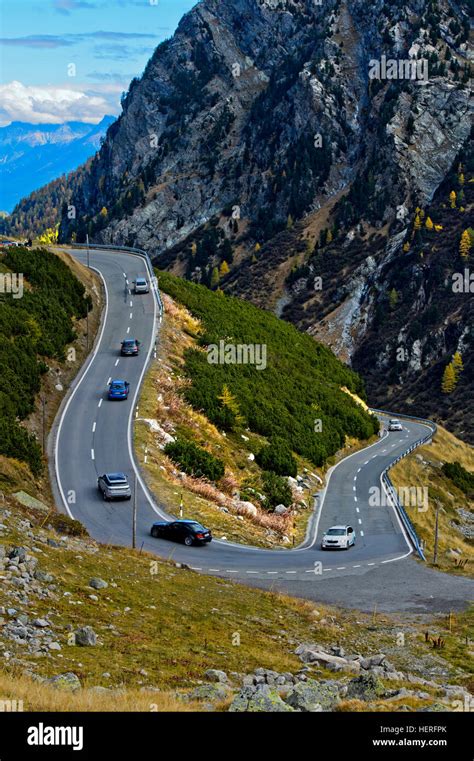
(93, 436)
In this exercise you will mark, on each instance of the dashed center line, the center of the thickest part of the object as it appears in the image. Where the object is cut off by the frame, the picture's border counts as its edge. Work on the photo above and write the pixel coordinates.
(100, 403)
(94, 427)
(131, 315)
(92, 454)
(108, 382)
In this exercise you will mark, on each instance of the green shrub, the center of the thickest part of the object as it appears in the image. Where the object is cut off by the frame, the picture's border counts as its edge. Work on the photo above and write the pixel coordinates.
(277, 456)
(276, 490)
(194, 460)
(461, 477)
(63, 524)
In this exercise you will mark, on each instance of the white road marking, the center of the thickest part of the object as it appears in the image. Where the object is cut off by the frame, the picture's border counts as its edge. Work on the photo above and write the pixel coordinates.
(370, 563)
(341, 568)
(251, 571)
(228, 570)
(100, 403)
(270, 573)
(128, 329)
(357, 510)
(355, 498)
(360, 522)
(195, 568)
(353, 488)
(216, 570)
(116, 362)
(355, 478)
(108, 382)
(92, 454)
(356, 566)
(362, 533)
(131, 315)
(131, 303)
(94, 427)
(359, 469)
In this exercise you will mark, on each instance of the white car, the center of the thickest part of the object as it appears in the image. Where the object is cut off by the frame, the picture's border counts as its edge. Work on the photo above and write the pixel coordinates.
(338, 538)
(395, 425)
(141, 285)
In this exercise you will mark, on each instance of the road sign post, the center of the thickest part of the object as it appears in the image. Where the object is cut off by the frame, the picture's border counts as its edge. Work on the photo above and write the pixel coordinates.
(134, 518)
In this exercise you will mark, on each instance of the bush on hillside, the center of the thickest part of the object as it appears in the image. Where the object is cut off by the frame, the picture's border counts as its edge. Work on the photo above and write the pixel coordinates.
(276, 490)
(277, 456)
(461, 477)
(194, 460)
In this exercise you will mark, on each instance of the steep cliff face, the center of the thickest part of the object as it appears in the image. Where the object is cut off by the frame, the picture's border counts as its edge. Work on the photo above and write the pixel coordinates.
(270, 143)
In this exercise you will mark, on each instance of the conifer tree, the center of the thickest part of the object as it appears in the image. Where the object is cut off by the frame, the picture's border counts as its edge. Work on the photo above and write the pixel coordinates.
(465, 244)
(448, 384)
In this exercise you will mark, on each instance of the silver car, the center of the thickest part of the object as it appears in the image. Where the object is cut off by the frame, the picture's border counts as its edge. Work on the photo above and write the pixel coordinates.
(395, 425)
(141, 285)
(114, 486)
(338, 538)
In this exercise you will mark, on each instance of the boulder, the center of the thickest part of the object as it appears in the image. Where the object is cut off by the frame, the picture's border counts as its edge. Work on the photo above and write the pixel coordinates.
(313, 696)
(67, 681)
(213, 692)
(86, 637)
(214, 675)
(365, 687)
(263, 699)
(98, 584)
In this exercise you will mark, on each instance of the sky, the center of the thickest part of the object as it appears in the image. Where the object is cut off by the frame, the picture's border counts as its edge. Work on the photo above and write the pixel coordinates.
(70, 60)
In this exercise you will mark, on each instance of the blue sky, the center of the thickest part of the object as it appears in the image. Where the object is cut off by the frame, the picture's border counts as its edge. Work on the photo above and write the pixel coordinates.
(65, 60)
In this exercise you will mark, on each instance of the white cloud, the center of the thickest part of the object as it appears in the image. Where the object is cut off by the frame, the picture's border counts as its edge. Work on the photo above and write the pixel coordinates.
(57, 104)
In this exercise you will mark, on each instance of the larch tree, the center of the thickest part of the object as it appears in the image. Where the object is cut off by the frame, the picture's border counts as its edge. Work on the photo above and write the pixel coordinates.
(448, 384)
(465, 244)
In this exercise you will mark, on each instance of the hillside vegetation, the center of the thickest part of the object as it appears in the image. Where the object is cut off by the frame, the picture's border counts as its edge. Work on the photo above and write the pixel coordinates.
(296, 397)
(446, 468)
(34, 328)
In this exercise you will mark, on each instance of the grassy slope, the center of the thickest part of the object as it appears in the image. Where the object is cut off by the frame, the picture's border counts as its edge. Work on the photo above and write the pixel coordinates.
(187, 624)
(423, 468)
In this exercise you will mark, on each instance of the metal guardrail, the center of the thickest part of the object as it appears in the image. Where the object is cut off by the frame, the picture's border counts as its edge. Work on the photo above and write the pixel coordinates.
(392, 492)
(130, 250)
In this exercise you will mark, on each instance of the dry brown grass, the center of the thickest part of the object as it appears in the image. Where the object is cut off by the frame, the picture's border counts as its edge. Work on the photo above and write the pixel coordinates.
(37, 696)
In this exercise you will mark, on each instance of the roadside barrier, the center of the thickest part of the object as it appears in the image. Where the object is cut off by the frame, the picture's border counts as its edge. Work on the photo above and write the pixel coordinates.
(392, 492)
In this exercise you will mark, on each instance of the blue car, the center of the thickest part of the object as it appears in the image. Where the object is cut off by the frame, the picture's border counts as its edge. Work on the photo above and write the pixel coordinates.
(119, 389)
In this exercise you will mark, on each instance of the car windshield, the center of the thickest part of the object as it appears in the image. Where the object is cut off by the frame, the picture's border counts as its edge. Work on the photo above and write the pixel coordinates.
(117, 385)
(336, 532)
(141, 281)
(128, 343)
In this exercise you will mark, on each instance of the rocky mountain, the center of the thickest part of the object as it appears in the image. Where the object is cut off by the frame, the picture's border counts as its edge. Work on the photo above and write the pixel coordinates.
(32, 155)
(304, 155)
